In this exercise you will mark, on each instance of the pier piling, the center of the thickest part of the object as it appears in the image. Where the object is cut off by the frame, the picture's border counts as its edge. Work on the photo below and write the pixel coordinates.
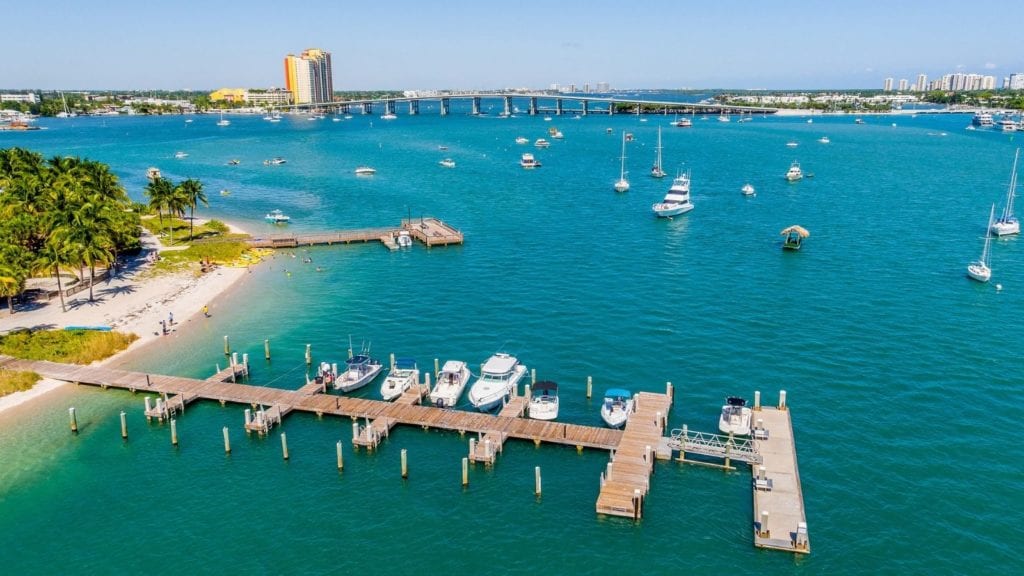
(472, 446)
(590, 386)
(465, 471)
(341, 461)
(124, 426)
(309, 355)
(536, 481)
(174, 432)
(757, 400)
(437, 369)
(74, 420)
(405, 464)
(227, 346)
(533, 376)
(266, 348)
(284, 445)
(782, 399)
(227, 441)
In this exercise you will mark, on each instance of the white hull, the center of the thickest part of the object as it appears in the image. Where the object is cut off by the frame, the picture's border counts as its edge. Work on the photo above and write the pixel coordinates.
(450, 383)
(666, 210)
(351, 380)
(616, 414)
(980, 272)
(543, 408)
(735, 420)
(489, 391)
(1006, 228)
(397, 382)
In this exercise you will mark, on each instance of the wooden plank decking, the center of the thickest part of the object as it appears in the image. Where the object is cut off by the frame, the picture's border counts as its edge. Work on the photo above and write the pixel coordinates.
(428, 231)
(778, 493)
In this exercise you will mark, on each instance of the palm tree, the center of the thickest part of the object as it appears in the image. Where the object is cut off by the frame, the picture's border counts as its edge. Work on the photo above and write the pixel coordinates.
(160, 191)
(12, 272)
(90, 236)
(54, 257)
(191, 191)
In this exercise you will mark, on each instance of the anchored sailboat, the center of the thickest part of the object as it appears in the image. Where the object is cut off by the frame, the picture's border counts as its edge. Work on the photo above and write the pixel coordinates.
(656, 171)
(1007, 223)
(979, 270)
(622, 185)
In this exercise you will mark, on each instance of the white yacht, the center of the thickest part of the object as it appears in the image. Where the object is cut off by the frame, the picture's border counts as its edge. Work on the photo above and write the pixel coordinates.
(1006, 124)
(180, 155)
(447, 163)
(824, 140)
(622, 185)
(499, 376)
(541, 143)
(983, 120)
(1007, 223)
(522, 140)
(274, 161)
(543, 401)
(723, 118)
(683, 123)
(360, 370)
(402, 376)
(389, 116)
(794, 173)
(277, 217)
(735, 418)
(979, 270)
(365, 171)
(528, 161)
(677, 200)
(451, 381)
(748, 189)
(617, 406)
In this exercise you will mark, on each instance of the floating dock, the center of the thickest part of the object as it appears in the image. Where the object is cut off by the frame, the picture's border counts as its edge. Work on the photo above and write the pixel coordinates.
(779, 518)
(428, 231)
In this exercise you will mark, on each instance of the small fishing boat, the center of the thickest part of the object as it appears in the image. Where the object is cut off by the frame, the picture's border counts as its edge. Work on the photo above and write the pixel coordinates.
(794, 173)
(451, 381)
(979, 269)
(677, 199)
(747, 190)
(1007, 223)
(447, 163)
(402, 376)
(498, 377)
(360, 370)
(522, 140)
(277, 217)
(622, 185)
(617, 406)
(543, 401)
(528, 161)
(794, 237)
(225, 192)
(365, 171)
(735, 418)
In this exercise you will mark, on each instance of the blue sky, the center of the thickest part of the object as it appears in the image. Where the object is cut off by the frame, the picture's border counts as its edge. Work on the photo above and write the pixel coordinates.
(404, 44)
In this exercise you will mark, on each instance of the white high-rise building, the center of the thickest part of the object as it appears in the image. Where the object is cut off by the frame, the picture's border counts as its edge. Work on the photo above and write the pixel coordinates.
(603, 87)
(988, 83)
(922, 83)
(887, 87)
(1016, 81)
(903, 85)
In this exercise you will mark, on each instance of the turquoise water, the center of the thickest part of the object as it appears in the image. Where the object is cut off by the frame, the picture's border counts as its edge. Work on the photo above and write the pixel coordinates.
(901, 373)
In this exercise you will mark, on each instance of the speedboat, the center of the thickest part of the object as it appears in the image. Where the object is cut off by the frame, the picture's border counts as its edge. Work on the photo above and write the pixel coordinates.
(528, 161)
(979, 270)
(365, 171)
(541, 143)
(858, 121)
(1007, 223)
(277, 217)
(794, 173)
(401, 377)
(543, 401)
(617, 406)
(360, 370)
(326, 374)
(735, 418)
(499, 376)
(404, 240)
(451, 381)
(180, 155)
(547, 118)
(747, 190)
(824, 140)
(234, 162)
(677, 200)
(522, 140)
(388, 116)
(792, 144)
(152, 173)
(557, 135)
(684, 123)
(447, 163)
(274, 161)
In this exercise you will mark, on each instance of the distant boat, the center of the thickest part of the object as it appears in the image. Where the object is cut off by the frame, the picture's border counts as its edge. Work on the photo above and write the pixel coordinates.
(792, 144)
(188, 121)
(683, 123)
(1006, 124)
(388, 116)
(541, 143)
(543, 401)
(152, 173)
(794, 237)
(794, 173)
(451, 381)
(617, 406)
(222, 121)
(858, 121)
(547, 118)
(557, 135)
(447, 163)
(677, 199)
(403, 375)
(348, 116)
(234, 162)
(277, 217)
(979, 270)
(499, 376)
(735, 418)
(824, 140)
(723, 118)
(528, 161)
(522, 140)
(656, 170)
(365, 171)
(622, 184)
(747, 190)
(983, 120)
(810, 120)
(225, 192)
(180, 155)
(1007, 223)
(274, 161)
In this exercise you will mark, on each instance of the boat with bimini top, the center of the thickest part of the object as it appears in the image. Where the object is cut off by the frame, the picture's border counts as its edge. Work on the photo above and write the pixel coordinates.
(543, 401)
(617, 406)
(735, 418)
(360, 370)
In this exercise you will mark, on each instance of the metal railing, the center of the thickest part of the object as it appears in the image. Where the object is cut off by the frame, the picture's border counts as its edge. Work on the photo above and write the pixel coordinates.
(714, 445)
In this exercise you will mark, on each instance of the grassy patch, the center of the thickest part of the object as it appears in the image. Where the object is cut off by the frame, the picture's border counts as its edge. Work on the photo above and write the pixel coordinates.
(15, 381)
(74, 346)
(225, 253)
(174, 231)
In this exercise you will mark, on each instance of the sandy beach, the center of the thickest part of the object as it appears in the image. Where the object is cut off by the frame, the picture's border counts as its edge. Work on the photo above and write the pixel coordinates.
(134, 301)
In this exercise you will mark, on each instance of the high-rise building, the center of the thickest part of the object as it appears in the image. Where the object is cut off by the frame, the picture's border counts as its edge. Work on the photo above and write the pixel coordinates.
(922, 83)
(903, 85)
(1016, 81)
(603, 87)
(308, 77)
(887, 87)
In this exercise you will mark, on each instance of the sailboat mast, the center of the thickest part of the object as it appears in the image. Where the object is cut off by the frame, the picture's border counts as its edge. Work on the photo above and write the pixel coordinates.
(622, 159)
(1008, 210)
(988, 237)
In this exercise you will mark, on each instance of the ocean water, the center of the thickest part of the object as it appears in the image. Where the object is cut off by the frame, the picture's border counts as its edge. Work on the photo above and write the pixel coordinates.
(902, 375)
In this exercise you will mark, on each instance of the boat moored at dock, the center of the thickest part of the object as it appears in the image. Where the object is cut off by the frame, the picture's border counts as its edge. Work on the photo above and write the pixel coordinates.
(499, 376)
(403, 375)
(543, 401)
(735, 418)
(451, 381)
(361, 369)
(617, 406)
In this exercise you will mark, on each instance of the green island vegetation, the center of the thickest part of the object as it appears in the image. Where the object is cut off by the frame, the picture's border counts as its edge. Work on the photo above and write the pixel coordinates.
(16, 380)
(1009, 99)
(73, 346)
(62, 215)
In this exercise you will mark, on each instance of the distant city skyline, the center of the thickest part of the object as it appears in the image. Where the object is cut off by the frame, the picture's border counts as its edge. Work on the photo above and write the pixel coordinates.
(402, 45)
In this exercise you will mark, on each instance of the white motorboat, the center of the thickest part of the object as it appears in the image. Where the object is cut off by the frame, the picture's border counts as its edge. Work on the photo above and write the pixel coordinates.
(152, 173)
(543, 401)
(277, 217)
(365, 171)
(451, 381)
(979, 270)
(723, 118)
(388, 116)
(402, 376)
(748, 190)
(1007, 223)
(824, 140)
(1006, 124)
(794, 173)
(499, 376)
(557, 135)
(677, 199)
(522, 140)
(983, 119)
(735, 418)
(404, 240)
(360, 370)
(683, 123)
(528, 161)
(180, 155)
(547, 118)
(656, 170)
(617, 406)
(622, 184)
(541, 143)
(858, 121)
(447, 163)
(274, 161)
(792, 144)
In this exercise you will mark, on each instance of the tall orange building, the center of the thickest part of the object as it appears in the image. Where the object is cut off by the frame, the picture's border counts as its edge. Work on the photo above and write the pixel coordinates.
(308, 77)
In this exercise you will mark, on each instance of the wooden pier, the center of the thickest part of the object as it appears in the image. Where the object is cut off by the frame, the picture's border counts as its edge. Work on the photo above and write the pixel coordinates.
(428, 231)
(779, 518)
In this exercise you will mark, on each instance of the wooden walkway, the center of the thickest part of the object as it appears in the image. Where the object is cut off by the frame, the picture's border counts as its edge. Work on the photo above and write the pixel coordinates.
(487, 446)
(624, 487)
(371, 434)
(428, 231)
(779, 518)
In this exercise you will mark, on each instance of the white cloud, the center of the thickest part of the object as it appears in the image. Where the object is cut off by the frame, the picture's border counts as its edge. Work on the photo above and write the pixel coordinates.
(960, 66)
(990, 66)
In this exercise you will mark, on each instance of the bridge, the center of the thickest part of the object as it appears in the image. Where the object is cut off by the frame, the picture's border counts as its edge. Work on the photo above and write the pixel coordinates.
(532, 102)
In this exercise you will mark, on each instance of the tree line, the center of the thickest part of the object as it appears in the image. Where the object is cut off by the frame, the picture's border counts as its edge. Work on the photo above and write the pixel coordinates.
(62, 214)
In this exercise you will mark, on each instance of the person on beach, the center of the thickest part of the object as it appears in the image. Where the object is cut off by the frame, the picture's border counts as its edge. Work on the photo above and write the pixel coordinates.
(206, 310)
(170, 318)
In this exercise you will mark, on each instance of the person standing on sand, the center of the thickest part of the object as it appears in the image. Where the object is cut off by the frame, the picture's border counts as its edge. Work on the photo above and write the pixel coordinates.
(170, 318)
(206, 310)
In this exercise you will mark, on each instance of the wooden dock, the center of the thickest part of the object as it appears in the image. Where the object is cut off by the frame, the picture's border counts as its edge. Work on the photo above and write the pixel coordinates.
(428, 231)
(487, 446)
(625, 484)
(371, 434)
(779, 518)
